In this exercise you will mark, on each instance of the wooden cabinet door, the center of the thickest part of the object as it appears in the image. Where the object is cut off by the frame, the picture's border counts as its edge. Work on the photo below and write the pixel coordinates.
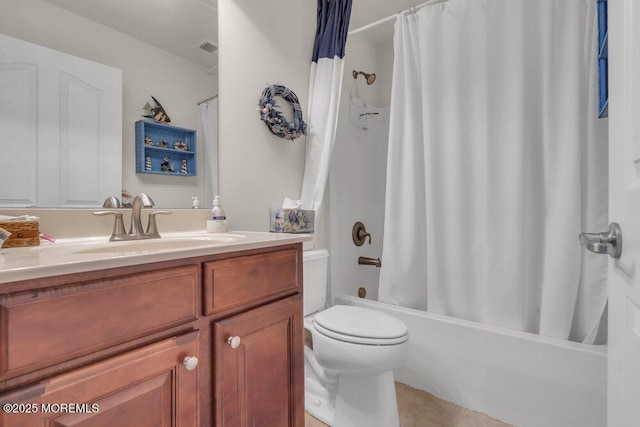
(149, 386)
(260, 383)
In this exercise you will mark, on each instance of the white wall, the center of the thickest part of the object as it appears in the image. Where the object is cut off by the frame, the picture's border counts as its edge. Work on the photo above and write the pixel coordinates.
(176, 82)
(260, 43)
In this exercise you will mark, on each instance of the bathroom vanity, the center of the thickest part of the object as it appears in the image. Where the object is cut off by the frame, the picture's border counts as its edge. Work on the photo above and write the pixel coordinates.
(209, 335)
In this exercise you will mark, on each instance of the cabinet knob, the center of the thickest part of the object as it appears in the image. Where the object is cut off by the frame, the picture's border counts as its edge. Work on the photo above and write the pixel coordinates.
(234, 342)
(190, 362)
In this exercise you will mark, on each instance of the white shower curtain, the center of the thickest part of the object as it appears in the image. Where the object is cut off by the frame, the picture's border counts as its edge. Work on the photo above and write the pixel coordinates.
(209, 116)
(496, 162)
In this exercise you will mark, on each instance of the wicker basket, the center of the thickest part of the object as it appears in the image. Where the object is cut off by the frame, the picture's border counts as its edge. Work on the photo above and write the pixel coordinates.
(23, 233)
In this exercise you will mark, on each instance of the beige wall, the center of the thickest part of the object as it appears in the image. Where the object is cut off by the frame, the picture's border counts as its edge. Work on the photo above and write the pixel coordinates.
(261, 42)
(176, 82)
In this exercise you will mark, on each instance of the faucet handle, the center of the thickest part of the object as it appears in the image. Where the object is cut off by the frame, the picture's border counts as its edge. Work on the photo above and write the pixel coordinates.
(118, 226)
(152, 226)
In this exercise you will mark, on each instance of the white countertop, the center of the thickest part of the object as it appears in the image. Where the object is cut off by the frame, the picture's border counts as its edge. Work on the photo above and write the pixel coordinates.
(77, 255)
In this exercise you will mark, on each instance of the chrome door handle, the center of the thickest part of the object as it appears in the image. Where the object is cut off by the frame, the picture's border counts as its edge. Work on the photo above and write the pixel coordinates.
(609, 242)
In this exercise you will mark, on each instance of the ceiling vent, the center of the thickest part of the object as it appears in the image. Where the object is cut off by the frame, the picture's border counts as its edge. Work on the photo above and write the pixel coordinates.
(207, 46)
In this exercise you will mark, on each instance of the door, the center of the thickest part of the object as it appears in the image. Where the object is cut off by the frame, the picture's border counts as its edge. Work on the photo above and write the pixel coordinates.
(156, 385)
(259, 367)
(623, 408)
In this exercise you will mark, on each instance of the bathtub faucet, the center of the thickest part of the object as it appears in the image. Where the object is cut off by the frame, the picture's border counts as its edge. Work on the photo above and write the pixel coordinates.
(363, 260)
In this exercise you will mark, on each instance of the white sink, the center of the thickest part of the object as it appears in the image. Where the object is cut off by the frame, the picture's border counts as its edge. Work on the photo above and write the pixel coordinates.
(155, 245)
(132, 247)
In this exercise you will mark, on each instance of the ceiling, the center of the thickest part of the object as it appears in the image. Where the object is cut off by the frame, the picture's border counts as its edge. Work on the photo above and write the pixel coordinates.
(178, 26)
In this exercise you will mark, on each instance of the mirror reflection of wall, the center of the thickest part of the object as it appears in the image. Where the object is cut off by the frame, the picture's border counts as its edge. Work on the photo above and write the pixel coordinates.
(157, 47)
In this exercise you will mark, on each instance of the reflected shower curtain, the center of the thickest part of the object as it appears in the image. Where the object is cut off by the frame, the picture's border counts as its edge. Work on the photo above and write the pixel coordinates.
(209, 116)
(496, 162)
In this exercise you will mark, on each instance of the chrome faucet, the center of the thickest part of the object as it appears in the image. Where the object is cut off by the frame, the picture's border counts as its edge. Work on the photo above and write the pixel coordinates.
(136, 232)
(111, 202)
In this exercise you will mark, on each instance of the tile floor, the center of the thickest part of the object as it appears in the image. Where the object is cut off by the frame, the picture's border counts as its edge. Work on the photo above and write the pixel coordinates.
(421, 409)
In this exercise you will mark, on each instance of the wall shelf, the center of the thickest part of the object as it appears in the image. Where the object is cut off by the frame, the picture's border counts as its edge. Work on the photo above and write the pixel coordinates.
(150, 158)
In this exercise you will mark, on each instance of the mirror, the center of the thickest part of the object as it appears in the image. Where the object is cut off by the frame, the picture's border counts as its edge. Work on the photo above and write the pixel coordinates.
(165, 49)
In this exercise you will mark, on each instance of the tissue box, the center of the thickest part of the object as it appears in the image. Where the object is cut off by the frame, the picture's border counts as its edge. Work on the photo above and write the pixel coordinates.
(23, 233)
(292, 221)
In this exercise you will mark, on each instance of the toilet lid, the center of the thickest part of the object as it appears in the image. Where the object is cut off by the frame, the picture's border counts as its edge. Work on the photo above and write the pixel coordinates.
(360, 325)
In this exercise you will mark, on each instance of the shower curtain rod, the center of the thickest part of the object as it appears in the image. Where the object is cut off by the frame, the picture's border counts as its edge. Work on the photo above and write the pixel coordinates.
(208, 99)
(389, 18)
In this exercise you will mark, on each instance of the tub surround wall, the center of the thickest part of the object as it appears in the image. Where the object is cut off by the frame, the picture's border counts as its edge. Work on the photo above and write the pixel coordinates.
(364, 54)
(356, 187)
(356, 193)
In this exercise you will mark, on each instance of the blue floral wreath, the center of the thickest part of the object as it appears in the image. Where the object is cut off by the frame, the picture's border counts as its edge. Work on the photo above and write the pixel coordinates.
(275, 120)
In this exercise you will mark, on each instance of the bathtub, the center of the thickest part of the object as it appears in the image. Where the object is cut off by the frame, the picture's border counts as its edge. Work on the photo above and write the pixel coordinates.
(517, 377)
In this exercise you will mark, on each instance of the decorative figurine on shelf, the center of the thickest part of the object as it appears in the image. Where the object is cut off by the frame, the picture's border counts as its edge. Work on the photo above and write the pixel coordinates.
(180, 145)
(184, 166)
(148, 141)
(156, 113)
(164, 166)
(163, 144)
(147, 164)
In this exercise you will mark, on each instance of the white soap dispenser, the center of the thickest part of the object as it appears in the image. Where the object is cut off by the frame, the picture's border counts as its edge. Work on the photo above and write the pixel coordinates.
(218, 221)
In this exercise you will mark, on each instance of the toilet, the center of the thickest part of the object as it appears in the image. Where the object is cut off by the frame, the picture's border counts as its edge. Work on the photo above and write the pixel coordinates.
(350, 360)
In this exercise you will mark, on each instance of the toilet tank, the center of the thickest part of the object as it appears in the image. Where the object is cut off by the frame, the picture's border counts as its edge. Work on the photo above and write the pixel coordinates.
(314, 268)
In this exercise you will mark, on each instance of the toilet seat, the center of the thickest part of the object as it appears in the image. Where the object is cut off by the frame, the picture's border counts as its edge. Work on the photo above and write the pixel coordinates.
(360, 326)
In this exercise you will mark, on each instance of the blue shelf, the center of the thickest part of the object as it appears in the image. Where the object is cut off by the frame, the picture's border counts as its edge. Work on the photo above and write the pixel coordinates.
(603, 60)
(161, 133)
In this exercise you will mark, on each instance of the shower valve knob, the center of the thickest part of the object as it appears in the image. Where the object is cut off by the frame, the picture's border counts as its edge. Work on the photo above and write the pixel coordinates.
(359, 234)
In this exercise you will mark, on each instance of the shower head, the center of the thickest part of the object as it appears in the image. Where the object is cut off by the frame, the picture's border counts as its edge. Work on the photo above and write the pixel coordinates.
(370, 77)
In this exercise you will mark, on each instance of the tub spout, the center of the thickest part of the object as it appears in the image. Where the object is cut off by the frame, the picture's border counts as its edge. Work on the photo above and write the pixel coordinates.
(363, 260)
